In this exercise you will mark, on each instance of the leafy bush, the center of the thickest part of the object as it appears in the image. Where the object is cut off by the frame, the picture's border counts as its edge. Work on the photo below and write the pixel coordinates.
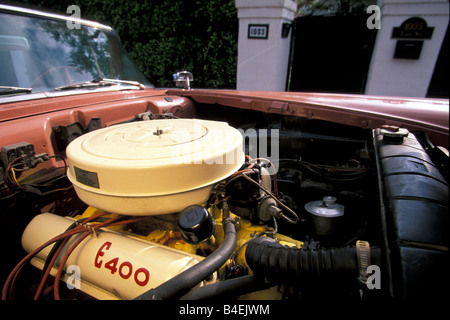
(165, 36)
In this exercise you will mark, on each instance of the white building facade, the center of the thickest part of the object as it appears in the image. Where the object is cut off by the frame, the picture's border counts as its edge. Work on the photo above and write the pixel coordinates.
(409, 39)
(407, 75)
(263, 51)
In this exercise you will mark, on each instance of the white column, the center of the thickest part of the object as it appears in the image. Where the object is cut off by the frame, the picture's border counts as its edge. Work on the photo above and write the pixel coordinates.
(406, 77)
(263, 62)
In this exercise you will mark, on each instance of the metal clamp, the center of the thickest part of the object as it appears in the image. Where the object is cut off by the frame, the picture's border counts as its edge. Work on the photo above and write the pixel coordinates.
(363, 257)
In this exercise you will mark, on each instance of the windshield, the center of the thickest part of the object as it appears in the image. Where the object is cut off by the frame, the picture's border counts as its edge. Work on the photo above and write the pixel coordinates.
(44, 54)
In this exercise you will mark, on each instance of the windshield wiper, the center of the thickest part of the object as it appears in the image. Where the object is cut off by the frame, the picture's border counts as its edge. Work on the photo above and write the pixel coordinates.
(99, 83)
(5, 90)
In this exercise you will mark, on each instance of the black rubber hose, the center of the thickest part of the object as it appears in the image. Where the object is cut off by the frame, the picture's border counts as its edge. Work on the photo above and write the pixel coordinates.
(182, 283)
(265, 256)
(235, 286)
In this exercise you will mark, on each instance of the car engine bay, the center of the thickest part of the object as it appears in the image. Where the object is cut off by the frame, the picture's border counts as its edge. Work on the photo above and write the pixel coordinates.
(200, 200)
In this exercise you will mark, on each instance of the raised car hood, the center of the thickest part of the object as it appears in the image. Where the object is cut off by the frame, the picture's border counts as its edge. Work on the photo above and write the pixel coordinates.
(429, 115)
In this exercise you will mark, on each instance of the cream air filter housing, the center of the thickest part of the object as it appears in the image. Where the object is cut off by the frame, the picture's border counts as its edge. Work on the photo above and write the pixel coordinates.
(153, 167)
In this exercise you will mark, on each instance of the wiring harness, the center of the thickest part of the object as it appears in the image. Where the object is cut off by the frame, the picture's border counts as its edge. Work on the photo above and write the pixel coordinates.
(40, 182)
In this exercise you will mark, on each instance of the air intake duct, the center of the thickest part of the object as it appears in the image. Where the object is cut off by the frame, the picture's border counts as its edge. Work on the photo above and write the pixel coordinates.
(266, 256)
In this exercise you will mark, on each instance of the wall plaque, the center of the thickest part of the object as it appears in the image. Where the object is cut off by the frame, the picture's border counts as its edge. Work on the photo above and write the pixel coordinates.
(258, 31)
(413, 28)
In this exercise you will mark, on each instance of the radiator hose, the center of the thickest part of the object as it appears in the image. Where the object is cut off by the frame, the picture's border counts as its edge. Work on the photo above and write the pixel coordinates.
(182, 283)
(267, 257)
(227, 288)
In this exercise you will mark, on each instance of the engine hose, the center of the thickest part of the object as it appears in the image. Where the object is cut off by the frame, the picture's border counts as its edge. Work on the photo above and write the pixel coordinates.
(266, 257)
(182, 283)
(235, 286)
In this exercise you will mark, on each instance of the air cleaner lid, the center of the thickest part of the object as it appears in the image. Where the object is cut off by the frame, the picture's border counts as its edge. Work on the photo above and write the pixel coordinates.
(156, 157)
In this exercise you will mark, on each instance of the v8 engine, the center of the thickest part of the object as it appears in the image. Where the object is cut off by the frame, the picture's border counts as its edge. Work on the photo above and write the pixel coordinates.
(183, 209)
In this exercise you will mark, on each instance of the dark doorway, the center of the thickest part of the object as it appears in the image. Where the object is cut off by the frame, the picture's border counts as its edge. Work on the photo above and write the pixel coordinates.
(439, 83)
(331, 54)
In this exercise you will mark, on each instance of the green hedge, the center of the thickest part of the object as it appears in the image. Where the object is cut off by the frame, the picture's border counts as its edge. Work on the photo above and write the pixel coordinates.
(165, 36)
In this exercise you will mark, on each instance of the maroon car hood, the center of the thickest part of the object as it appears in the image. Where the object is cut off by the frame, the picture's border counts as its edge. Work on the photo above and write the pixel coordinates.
(429, 115)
